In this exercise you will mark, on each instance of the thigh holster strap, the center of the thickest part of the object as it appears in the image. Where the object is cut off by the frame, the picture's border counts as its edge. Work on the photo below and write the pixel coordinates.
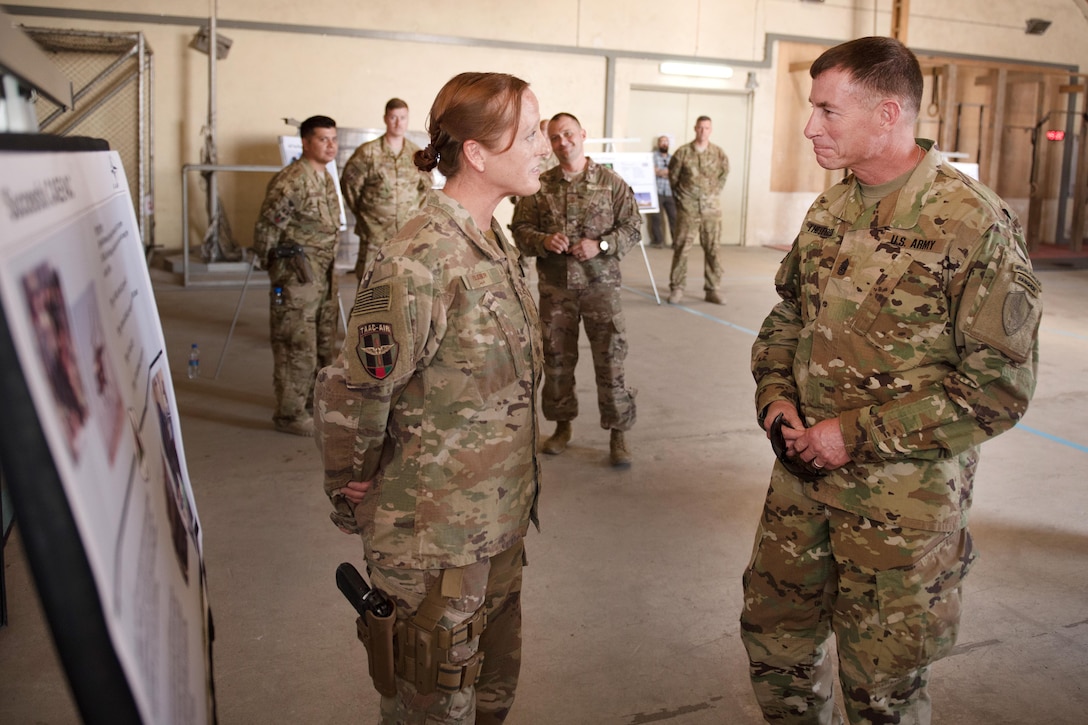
(423, 648)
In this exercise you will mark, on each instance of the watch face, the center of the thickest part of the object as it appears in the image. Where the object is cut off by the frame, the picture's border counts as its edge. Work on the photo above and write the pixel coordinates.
(603, 245)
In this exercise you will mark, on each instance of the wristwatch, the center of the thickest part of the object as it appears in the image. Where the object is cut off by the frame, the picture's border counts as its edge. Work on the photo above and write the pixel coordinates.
(604, 246)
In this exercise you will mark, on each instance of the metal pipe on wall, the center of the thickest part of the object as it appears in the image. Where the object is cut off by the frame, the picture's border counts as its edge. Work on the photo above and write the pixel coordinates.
(213, 153)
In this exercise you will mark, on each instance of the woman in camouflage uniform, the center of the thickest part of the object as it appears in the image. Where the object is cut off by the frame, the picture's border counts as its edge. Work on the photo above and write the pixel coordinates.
(427, 421)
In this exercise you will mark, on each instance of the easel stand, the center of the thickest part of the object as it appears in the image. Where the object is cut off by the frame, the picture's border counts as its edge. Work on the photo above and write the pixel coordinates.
(238, 310)
(649, 272)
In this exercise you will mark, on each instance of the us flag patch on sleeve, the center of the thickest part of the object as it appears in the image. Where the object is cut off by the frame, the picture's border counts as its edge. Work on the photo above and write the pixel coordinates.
(371, 299)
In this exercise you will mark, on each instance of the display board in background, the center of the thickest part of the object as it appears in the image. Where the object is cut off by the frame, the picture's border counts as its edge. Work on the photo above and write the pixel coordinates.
(91, 447)
(637, 169)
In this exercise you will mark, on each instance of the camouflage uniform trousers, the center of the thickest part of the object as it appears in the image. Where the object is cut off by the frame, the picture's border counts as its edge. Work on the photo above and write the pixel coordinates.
(598, 306)
(708, 230)
(494, 584)
(303, 333)
(890, 595)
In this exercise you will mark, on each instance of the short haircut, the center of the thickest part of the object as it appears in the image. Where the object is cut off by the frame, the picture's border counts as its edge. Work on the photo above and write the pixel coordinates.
(702, 118)
(311, 124)
(883, 66)
(393, 104)
(563, 114)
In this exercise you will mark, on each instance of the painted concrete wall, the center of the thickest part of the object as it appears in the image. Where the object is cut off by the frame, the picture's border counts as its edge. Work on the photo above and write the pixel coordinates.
(295, 59)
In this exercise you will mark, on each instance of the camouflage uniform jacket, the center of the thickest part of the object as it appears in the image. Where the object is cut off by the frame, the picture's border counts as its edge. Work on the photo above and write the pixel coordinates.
(300, 207)
(915, 322)
(432, 397)
(599, 205)
(697, 179)
(383, 190)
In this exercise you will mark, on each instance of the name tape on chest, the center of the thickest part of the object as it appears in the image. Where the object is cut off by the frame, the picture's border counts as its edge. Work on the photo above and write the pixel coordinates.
(906, 242)
(819, 230)
(482, 278)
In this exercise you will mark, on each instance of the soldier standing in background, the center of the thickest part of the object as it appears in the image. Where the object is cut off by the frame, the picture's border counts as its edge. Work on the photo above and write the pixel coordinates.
(427, 422)
(578, 226)
(381, 185)
(906, 336)
(295, 240)
(697, 174)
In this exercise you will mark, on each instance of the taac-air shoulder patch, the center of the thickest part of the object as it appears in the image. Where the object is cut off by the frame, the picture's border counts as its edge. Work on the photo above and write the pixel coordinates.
(378, 331)
(1010, 315)
(377, 349)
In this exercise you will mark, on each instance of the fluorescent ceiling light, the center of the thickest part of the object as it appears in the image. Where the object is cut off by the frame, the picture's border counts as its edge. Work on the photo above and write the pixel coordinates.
(702, 70)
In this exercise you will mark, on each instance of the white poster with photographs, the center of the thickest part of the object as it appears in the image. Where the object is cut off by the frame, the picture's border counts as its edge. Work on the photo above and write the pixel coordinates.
(79, 304)
(637, 169)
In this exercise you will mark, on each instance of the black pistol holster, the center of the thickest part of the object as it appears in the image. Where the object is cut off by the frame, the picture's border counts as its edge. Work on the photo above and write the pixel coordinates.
(296, 259)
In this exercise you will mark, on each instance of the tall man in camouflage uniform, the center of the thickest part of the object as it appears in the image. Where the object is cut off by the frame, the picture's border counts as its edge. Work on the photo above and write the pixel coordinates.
(578, 226)
(295, 240)
(381, 185)
(697, 174)
(906, 336)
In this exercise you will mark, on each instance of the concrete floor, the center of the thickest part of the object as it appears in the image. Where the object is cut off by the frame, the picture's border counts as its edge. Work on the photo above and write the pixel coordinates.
(633, 590)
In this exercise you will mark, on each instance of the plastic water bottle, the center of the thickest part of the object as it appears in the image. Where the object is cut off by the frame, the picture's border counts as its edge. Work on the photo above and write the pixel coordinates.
(277, 296)
(194, 362)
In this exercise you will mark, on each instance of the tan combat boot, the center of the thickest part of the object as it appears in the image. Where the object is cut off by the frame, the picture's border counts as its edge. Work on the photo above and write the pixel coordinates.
(298, 426)
(676, 296)
(559, 440)
(618, 452)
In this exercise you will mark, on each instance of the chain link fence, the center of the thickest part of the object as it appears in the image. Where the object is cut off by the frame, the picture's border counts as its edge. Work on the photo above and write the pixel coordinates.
(112, 82)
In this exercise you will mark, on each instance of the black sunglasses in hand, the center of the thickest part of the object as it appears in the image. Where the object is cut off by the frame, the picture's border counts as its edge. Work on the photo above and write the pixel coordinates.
(798, 467)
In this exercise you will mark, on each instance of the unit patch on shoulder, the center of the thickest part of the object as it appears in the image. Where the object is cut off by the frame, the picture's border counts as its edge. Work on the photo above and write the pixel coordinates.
(371, 299)
(1028, 281)
(1020, 301)
(1015, 312)
(377, 349)
(1009, 317)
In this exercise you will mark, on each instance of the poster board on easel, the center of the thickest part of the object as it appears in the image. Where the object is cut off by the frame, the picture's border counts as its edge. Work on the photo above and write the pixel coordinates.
(637, 169)
(91, 447)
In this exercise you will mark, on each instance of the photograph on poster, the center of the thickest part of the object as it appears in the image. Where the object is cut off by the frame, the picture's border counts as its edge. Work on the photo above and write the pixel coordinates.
(99, 370)
(56, 350)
